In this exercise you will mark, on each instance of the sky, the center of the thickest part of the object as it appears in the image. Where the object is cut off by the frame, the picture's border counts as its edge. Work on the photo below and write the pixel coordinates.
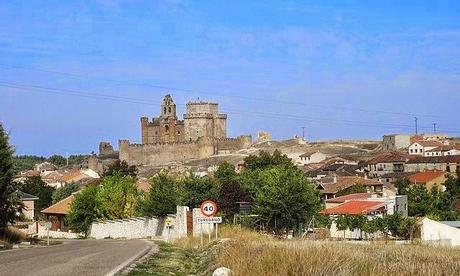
(73, 73)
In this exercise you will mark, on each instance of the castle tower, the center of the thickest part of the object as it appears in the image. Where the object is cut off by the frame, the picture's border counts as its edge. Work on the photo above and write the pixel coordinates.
(202, 119)
(168, 108)
(163, 129)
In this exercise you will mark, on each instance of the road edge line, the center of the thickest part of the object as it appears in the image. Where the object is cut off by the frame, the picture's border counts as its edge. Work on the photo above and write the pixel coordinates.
(124, 265)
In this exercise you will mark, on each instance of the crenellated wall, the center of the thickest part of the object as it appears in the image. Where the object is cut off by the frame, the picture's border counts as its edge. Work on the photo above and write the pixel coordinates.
(234, 144)
(160, 154)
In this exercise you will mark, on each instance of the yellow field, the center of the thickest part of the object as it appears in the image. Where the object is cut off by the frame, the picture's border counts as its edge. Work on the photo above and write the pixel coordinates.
(251, 253)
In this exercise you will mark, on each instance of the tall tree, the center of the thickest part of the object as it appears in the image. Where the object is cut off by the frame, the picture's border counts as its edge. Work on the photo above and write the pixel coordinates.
(230, 194)
(265, 160)
(286, 198)
(83, 210)
(9, 198)
(117, 197)
(162, 197)
(34, 185)
(226, 173)
(194, 190)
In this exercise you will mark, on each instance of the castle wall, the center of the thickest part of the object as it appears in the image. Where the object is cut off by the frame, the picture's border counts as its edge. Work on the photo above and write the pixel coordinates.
(160, 154)
(234, 144)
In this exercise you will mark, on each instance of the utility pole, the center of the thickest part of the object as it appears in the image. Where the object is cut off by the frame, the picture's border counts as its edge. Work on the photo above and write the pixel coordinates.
(416, 125)
(67, 158)
(303, 133)
(434, 127)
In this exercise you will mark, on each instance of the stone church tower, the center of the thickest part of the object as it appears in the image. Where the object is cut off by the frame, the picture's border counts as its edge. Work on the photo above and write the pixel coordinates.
(202, 119)
(164, 129)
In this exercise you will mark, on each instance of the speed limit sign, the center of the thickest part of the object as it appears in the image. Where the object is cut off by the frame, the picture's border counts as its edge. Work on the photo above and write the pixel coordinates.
(208, 208)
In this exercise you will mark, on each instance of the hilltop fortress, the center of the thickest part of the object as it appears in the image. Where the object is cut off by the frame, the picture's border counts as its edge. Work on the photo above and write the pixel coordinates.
(201, 133)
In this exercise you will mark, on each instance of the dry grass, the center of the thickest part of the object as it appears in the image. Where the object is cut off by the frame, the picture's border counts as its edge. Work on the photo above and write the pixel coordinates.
(255, 254)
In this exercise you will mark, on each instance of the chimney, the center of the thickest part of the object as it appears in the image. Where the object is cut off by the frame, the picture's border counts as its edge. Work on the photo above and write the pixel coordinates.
(335, 178)
(365, 176)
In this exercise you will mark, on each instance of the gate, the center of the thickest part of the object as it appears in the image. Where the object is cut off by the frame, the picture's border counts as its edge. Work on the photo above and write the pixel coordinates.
(189, 223)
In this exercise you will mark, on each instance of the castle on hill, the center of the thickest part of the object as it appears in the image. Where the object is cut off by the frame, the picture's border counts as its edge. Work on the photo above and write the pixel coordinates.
(200, 134)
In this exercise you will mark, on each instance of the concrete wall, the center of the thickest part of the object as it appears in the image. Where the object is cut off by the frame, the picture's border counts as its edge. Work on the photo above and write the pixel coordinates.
(142, 227)
(433, 232)
(43, 233)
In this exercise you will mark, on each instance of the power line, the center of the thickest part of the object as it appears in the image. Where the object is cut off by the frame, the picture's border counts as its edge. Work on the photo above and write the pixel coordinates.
(71, 92)
(170, 88)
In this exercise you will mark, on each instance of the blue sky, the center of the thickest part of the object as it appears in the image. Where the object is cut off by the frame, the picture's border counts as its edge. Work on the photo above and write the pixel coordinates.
(344, 69)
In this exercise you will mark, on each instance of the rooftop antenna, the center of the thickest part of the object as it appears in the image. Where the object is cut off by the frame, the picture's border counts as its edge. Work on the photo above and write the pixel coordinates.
(434, 127)
(416, 125)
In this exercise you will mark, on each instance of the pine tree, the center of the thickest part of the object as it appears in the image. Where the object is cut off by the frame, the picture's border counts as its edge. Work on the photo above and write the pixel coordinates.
(9, 198)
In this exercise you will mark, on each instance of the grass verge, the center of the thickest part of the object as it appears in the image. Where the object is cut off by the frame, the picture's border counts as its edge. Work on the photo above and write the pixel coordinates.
(175, 259)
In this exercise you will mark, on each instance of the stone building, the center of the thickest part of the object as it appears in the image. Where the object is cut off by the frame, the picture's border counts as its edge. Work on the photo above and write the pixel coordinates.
(164, 129)
(394, 142)
(165, 139)
(202, 119)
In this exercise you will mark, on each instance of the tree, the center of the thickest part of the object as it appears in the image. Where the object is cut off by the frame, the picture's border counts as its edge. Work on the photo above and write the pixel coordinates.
(341, 222)
(34, 185)
(357, 188)
(83, 210)
(26, 162)
(357, 222)
(370, 226)
(162, 197)
(194, 190)
(265, 160)
(121, 168)
(286, 198)
(402, 186)
(10, 204)
(117, 197)
(230, 194)
(57, 160)
(225, 173)
(64, 191)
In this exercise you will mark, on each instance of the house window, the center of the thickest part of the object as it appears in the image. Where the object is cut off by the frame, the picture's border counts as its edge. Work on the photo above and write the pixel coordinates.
(178, 132)
(411, 151)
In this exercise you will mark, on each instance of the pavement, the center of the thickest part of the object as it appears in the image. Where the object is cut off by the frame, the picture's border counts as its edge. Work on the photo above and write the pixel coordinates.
(75, 257)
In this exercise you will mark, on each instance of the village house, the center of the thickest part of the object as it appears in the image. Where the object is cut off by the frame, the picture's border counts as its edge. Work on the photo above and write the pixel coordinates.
(443, 151)
(385, 163)
(428, 179)
(82, 176)
(423, 146)
(394, 142)
(312, 157)
(330, 186)
(44, 167)
(368, 204)
(28, 201)
(437, 163)
(56, 214)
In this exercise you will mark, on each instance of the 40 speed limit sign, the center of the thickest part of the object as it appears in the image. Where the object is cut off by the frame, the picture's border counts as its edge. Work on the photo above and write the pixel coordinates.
(208, 208)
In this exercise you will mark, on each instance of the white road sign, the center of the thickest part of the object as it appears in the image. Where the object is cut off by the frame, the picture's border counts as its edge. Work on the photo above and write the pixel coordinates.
(209, 219)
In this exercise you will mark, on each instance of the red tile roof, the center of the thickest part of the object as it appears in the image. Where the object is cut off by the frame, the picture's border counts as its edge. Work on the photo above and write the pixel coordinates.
(342, 199)
(424, 177)
(429, 143)
(354, 207)
(344, 182)
(389, 157)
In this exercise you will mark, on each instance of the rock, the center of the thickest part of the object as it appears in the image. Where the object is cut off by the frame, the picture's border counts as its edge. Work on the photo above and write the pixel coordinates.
(222, 271)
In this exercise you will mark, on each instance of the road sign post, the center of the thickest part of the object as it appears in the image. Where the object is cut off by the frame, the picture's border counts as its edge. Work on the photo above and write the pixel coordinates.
(169, 224)
(208, 209)
(48, 227)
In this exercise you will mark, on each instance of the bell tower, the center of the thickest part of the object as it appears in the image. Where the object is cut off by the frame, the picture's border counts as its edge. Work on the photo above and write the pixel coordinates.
(168, 108)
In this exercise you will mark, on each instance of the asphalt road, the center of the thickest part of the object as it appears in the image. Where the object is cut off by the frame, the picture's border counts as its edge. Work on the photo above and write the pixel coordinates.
(78, 257)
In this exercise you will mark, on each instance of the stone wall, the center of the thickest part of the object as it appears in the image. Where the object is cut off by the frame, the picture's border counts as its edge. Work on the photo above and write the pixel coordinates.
(160, 154)
(436, 233)
(234, 144)
(142, 227)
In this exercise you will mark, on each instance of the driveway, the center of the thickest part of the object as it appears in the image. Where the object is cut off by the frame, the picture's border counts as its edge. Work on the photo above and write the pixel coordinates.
(76, 257)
